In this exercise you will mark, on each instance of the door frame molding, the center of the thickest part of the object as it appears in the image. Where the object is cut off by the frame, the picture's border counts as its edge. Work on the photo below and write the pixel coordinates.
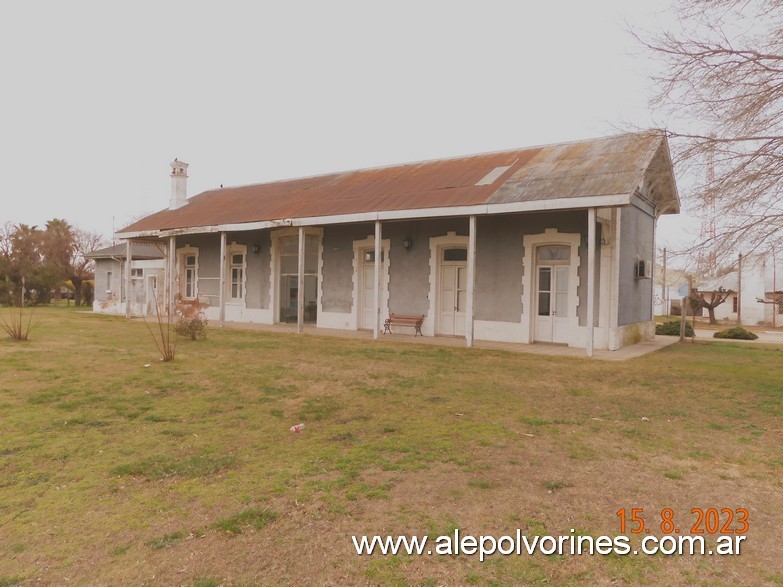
(358, 262)
(437, 243)
(551, 236)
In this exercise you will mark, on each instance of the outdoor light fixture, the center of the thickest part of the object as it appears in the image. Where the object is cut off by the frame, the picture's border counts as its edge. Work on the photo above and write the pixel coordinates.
(256, 248)
(407, 243)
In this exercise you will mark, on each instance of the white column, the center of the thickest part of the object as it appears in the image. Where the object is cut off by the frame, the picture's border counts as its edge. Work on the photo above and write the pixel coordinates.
(222, 294)
(471, 282)
(376, 323)
(172, 281)
(300, 283)
(590, 280)
(128, 259)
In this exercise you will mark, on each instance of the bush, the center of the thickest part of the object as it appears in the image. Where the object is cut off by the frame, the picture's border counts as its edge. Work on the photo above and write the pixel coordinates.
(193, 328)
(737, 333)
(18, 324)
(191, 322)
(672, 328)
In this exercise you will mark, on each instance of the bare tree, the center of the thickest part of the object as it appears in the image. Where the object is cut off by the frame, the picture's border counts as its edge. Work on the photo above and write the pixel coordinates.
(721, 91)
(709, 300)
(80, 268)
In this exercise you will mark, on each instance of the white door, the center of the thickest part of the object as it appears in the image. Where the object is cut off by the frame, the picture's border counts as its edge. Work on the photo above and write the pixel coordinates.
(367, 289)
(452, 295)
(552, 304)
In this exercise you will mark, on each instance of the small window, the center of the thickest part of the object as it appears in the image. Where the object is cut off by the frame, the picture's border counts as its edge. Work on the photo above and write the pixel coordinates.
(554, 253)
(108, 281)
(455, 254)
(137, 273)
(369, 256)
(734, 304)
(190, 278)
(237, 272)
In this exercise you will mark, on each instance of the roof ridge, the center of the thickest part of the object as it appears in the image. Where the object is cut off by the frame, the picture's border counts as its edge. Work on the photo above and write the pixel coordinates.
(433, 160)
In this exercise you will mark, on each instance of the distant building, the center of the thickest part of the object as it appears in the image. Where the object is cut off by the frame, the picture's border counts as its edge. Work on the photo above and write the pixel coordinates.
(760, 281)
(147, 272)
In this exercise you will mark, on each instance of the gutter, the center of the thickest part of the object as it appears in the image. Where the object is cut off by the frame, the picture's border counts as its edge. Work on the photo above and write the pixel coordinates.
(409, 214)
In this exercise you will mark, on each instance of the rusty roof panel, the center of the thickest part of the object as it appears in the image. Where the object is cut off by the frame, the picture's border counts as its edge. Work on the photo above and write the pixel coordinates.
(606, 166)
(609, 166)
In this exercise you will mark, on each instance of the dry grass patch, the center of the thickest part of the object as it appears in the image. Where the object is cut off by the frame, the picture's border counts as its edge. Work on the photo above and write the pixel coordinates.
(112, 472)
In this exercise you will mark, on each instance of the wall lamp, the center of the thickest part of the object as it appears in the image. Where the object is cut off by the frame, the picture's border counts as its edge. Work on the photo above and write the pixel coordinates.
(256, 248)
(407, 243)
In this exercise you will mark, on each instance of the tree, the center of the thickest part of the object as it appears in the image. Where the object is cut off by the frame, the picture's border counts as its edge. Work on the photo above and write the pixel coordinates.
(66, 247)
(716, 298)
(21, 250)
(80, 268)
(722, 92)
(38, 261)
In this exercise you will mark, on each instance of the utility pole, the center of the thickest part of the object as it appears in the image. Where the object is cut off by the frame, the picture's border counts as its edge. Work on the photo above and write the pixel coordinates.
(774, 288)
(663, 286)
(739, 291)
(683, 318)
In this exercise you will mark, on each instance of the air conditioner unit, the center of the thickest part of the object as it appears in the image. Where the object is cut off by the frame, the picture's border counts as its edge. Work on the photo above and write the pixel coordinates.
(643, 269)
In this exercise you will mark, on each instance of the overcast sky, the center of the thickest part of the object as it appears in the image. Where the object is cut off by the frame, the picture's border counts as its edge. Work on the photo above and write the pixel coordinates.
(98, 97)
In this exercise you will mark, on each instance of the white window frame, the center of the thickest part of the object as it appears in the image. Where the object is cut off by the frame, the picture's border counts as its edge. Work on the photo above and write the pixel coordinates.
(231, 250)
(531, 242)
(182, 254)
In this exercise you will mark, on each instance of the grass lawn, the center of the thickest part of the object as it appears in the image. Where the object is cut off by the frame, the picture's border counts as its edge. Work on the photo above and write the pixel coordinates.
(116, 468)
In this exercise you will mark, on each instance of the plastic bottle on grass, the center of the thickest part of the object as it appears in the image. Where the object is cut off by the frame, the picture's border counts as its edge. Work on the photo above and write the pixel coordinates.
(297, 427)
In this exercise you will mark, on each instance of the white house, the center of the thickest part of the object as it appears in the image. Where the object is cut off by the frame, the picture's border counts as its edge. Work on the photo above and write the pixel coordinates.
(147, 269)
(754, 293)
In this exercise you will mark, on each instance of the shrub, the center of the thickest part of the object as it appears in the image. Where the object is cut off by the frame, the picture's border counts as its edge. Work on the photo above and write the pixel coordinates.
(672, 328)
(193, 328)
(191, 322)
(737, 332)
(18, 323)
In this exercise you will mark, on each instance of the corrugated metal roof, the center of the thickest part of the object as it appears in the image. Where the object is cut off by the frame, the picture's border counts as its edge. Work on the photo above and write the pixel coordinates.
(139, 251)
(607, 166)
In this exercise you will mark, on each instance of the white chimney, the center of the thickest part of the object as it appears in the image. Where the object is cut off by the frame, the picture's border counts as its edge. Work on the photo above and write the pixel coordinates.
(179, 184)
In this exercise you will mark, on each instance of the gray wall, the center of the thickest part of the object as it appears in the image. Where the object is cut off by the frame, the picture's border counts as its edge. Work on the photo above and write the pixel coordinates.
(257, 279)
(208, 262)
(499, 255)
(637, 228)
(257, 294)
(102, 267)
(337, 286)
(499, 258)
(409, 278)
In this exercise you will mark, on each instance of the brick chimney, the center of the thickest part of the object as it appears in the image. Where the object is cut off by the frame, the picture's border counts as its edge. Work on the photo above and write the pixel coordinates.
(179, 184)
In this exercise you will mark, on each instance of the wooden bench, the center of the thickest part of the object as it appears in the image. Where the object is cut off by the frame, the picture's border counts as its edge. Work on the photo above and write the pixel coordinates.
(403, 320)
